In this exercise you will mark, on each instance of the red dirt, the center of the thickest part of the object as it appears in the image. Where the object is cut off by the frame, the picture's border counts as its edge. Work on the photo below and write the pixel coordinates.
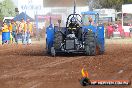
(29, 66)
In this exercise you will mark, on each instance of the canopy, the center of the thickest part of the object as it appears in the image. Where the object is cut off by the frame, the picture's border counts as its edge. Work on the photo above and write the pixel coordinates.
(22, 15)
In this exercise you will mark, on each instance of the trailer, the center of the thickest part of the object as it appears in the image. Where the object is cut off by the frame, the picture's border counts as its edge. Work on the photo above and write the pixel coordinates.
(126, 18)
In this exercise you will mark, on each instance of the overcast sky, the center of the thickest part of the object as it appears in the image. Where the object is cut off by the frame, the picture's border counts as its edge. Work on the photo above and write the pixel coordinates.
(15, 2)
(31, 6)
(1, 0)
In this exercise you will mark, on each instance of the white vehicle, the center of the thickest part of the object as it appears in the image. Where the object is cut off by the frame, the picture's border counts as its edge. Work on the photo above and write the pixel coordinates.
(7, 19)
(126, 18)
(106, 15)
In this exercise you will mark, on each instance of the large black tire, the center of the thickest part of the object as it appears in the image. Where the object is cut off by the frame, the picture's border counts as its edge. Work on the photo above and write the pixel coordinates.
(90, 44)
(47, 48)
(53, 53)
(58, 40)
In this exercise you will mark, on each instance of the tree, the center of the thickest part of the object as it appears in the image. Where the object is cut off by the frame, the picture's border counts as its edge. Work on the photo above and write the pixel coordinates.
(127, 1)
(7, 8)
(114, 4)
(1, 13)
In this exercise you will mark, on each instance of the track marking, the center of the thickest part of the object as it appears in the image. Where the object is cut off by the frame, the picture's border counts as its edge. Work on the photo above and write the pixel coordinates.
(36, 85)
(65, 61)
(30, 73)
(32, 84)
(17, 47)
(41, 71)
(58, 72)
(14, 72)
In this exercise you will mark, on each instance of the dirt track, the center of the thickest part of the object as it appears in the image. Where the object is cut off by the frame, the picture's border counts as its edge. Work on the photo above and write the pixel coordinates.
(29, 66)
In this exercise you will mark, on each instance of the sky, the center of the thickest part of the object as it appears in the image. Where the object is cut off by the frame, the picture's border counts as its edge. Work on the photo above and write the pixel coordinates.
(35, 2)
(1, 0)
(14, 1)
(29, 6)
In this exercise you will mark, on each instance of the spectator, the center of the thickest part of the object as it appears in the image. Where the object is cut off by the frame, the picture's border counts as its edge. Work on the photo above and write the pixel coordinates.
(28, 31)
(5, 27)
(13, 30)
(5, 34)
(22, 28)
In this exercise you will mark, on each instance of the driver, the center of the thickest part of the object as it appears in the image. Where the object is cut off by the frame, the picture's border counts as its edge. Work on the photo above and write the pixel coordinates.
(73, 26)
(90, 19)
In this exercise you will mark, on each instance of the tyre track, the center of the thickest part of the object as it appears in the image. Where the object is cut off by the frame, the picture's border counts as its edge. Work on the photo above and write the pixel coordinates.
(43, 72)
(40, 71)
(47, 66)
(17, 71)
(32, 84)
(16, 47)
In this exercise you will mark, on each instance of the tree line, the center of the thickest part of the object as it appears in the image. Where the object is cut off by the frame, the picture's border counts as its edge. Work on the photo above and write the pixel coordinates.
(114, 4)
(7, 8)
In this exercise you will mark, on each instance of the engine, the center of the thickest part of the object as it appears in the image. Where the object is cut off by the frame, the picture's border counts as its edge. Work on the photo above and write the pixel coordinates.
(72, 42)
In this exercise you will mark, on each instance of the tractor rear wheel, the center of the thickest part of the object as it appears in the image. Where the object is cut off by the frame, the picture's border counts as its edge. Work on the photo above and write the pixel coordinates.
(90, 44)
(58, 40)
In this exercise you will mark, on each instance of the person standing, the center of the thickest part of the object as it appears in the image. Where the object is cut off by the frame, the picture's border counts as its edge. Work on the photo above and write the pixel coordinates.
(10, 29)
(22, 28)
(5, 34)
(28, 31)
(5, 27)
(13, 30)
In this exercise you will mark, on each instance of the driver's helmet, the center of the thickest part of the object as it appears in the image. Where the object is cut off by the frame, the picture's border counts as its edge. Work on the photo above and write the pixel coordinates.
(72, 20)
(72, 24)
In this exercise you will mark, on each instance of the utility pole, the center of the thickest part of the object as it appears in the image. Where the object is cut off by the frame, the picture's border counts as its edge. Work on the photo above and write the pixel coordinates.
(74, 6)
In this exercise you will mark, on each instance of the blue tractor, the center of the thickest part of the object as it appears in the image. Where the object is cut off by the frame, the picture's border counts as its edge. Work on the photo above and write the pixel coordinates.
(81, 35)
(91, 22)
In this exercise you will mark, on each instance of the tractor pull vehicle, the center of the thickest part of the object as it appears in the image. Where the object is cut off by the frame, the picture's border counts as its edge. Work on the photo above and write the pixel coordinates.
(82, 34)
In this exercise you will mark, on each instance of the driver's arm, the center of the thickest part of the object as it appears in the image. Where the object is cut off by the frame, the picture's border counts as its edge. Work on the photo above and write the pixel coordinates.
(70, 26)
